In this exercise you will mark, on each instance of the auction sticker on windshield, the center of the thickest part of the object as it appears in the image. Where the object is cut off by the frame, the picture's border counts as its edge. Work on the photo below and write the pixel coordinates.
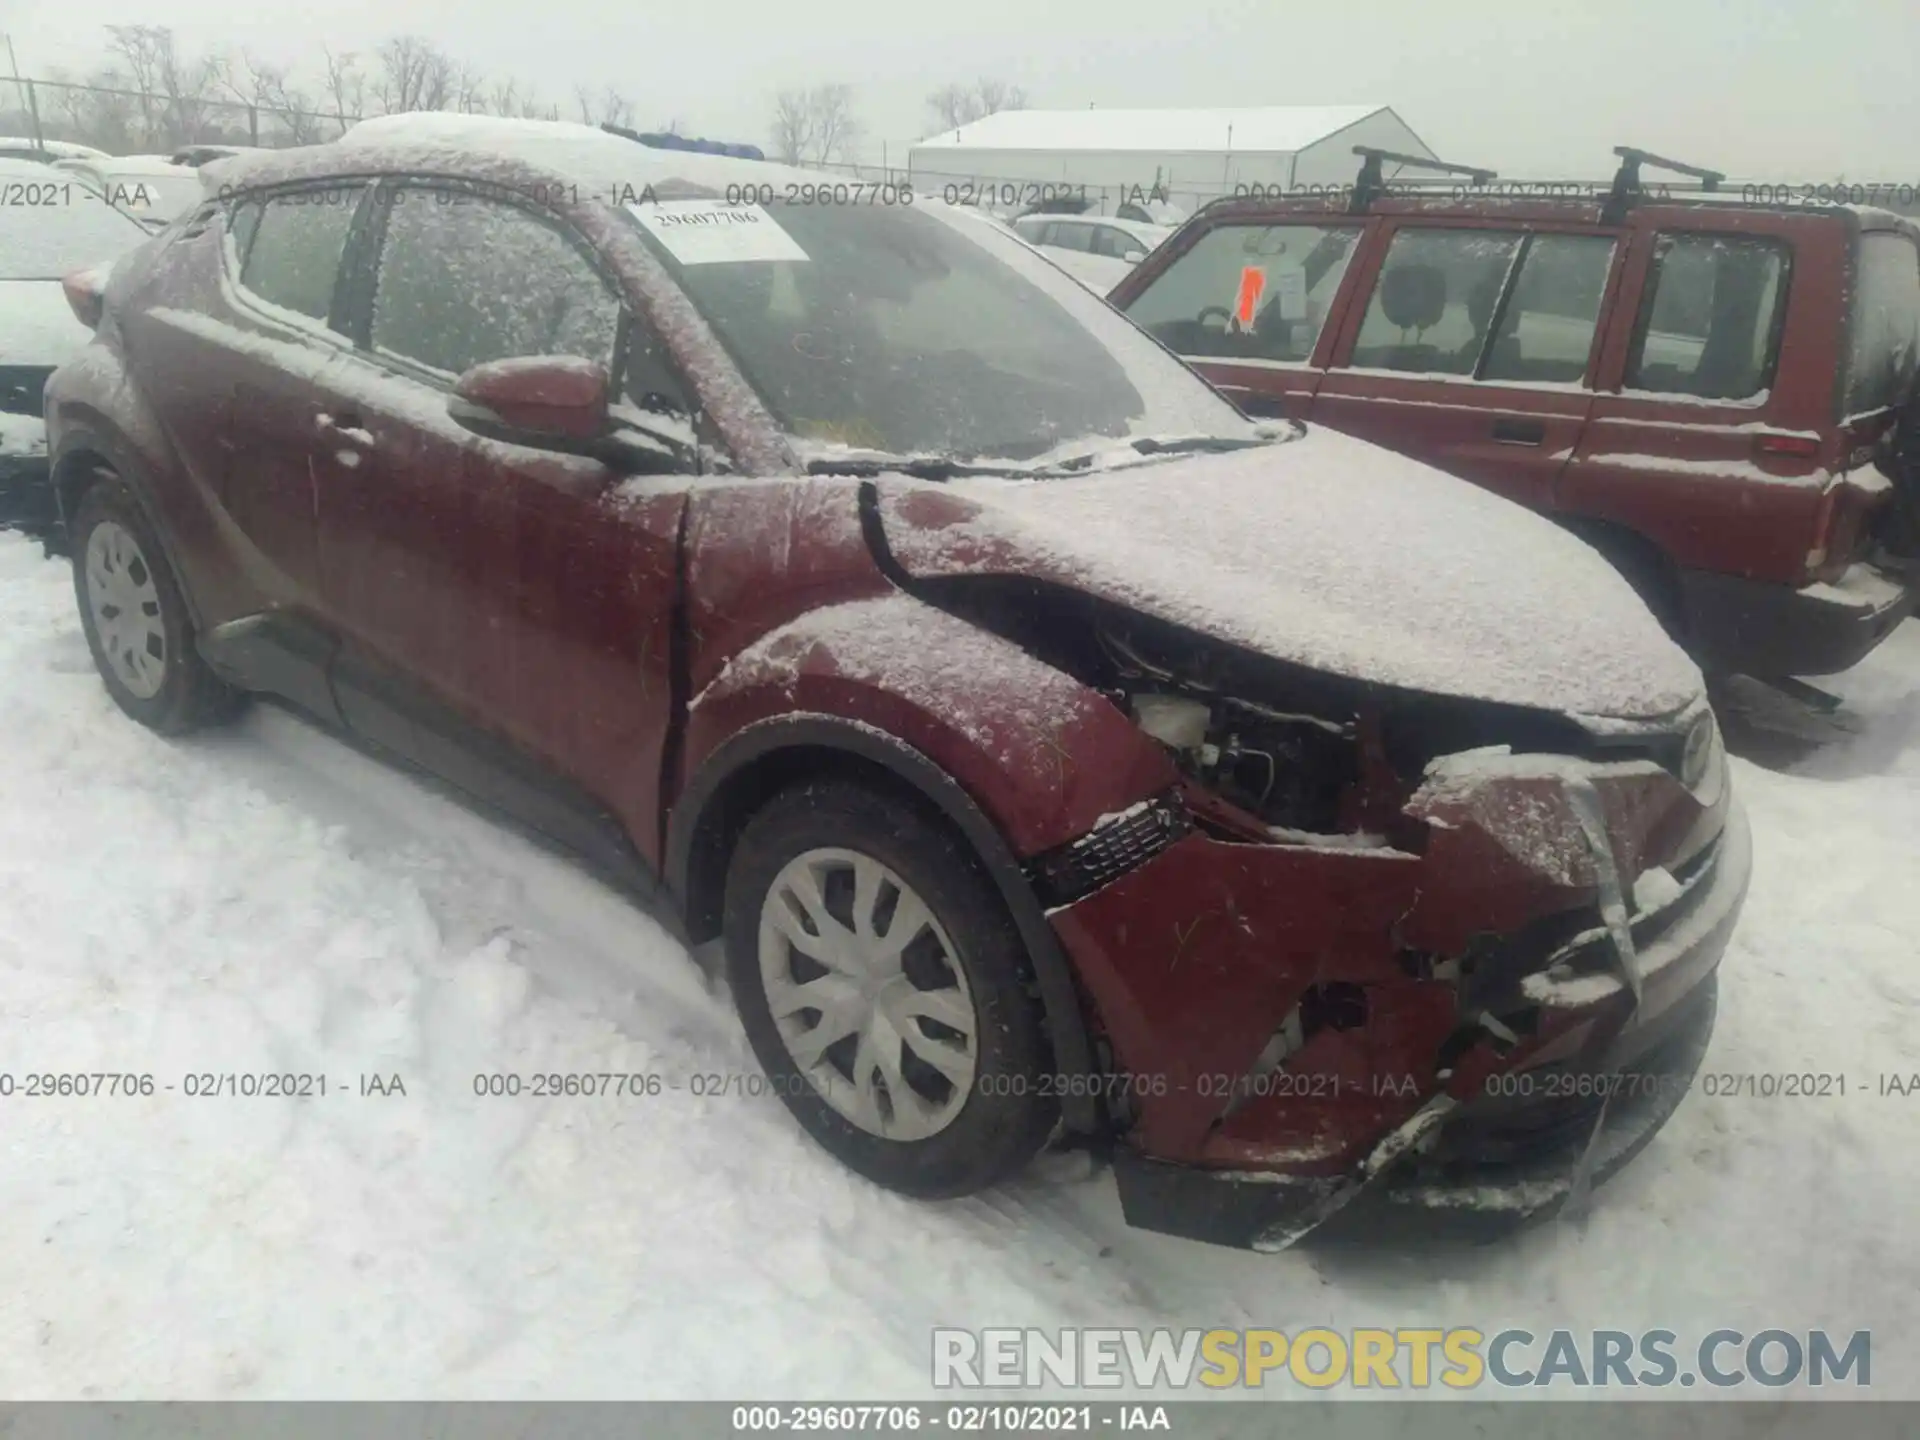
(712, 232)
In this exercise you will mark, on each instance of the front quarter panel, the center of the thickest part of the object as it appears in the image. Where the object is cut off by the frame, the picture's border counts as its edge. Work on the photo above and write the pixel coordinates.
(1042, 755)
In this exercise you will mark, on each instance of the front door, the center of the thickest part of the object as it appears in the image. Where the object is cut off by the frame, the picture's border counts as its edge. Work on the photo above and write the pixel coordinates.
(1249, 304)
(527, 592)
(1474, 352)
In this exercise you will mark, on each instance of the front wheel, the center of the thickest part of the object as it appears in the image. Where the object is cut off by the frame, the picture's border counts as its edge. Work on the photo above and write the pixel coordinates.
(885, 990)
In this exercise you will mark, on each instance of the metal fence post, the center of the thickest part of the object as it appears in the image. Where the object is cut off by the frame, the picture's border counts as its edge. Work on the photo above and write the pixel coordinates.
(33, 109)
(253, 124)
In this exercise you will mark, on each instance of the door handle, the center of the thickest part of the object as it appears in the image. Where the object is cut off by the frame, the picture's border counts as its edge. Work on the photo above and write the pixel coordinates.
(1520, 432)
(345, 427)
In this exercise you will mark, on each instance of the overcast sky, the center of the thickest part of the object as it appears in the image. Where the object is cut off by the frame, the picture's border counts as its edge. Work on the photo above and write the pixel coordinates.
(1781, 89)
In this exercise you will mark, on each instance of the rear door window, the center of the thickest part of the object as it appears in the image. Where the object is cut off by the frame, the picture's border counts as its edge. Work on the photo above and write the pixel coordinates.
(1112, 241)
(1259, 292)
(1434, 301)
(1064, 235)
(1884, 327)
(465, 279)
(1545, 333)
(293, 257)
(1710, 322)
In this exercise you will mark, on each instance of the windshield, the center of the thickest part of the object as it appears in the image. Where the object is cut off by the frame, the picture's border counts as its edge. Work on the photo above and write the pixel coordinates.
(61, 226)
(922, 330)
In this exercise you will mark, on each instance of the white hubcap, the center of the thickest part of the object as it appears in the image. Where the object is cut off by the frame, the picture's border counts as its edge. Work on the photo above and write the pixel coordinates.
(868, 994)
(126, 609)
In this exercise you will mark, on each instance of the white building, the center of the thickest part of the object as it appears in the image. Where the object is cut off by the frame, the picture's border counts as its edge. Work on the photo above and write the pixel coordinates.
(1189, 156)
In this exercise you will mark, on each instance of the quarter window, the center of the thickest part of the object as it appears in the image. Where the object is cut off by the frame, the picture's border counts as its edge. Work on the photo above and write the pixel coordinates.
(1710, 324)
(293, 257)
(1258, 292)
(465, 279)
(1434, 302)
(1885, 324)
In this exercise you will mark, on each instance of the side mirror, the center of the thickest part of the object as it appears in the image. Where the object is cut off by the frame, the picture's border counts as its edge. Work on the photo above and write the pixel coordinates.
(552, 402)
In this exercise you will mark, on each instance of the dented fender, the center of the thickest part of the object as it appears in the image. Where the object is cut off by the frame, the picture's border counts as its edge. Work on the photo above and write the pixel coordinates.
(1041, 754)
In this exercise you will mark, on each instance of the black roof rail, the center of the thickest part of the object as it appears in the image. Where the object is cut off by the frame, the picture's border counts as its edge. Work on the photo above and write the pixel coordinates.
(1371, 186)
(1626, 180)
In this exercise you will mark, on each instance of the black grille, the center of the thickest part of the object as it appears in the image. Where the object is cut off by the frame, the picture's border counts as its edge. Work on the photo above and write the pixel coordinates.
(22, 388)
(1105, 853)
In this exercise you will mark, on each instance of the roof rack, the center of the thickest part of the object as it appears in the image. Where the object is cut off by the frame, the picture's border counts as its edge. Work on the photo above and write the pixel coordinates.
(1627, 186)
(1371, 185)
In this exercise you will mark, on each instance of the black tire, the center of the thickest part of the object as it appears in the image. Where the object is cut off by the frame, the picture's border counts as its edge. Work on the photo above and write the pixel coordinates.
(1004, 1118)
(189, 695)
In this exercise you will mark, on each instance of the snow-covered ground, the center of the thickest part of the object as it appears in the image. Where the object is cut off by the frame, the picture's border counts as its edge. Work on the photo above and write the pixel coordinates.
(266, 900)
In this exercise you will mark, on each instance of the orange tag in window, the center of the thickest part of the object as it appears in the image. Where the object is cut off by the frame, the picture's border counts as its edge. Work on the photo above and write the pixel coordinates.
(1253, 280)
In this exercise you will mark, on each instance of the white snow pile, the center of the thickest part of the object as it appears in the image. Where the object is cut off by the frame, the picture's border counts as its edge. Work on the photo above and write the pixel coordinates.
(264, 900)
(1328, 552)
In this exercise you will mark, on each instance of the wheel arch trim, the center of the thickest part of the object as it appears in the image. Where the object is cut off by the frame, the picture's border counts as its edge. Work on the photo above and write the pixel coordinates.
(1065, 1020)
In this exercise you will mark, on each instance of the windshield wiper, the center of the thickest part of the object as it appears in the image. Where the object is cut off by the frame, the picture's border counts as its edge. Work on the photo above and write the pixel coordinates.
(867, 464)
(1148, 445)
(920, 467)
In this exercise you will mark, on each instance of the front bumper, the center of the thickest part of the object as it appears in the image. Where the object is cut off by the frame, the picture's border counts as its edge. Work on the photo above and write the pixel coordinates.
(1770, 631)
(1461, 1188)
(1396, 1111)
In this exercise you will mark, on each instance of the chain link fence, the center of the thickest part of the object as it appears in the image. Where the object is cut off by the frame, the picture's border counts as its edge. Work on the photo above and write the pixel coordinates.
(134, 122)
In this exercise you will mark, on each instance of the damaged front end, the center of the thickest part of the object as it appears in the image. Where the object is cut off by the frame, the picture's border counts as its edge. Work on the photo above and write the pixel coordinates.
(1432, 952)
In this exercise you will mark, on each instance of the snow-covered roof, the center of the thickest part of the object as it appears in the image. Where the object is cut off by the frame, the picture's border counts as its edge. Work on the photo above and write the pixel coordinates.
(1270, 128)
(65, 149)
(155, 165)
(591, 157)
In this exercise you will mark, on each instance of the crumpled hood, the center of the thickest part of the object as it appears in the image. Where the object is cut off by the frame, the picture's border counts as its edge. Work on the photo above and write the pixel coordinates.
(1326, 552)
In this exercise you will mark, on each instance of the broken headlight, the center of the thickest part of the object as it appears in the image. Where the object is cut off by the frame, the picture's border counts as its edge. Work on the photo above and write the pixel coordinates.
(1290, 770)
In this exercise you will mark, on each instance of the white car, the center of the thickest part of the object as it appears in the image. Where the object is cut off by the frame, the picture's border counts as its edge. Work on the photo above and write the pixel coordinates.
(59, 226)
(23, 147)
(151, 188)
(1097, 250)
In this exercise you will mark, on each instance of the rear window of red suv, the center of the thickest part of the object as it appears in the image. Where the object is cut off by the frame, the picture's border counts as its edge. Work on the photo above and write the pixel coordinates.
(1884, 324)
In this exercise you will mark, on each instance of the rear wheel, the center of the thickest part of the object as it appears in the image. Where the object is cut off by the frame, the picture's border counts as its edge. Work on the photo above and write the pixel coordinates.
(136, 619)
(885, 990)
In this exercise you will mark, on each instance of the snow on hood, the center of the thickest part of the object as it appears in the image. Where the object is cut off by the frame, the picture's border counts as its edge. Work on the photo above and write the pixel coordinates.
(1329, 553)
(37, 325)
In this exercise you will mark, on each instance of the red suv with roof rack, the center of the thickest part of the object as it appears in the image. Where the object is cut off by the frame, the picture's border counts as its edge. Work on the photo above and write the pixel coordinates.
(1700, 387)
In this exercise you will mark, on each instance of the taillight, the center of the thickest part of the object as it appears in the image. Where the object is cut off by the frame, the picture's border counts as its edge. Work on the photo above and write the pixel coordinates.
(1804, 447)
(87, 295)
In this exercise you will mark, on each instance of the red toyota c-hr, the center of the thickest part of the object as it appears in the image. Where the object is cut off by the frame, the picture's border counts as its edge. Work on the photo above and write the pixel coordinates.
(1059, 754)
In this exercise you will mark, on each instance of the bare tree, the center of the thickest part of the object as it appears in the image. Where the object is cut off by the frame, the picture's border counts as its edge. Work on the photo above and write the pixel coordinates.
(270, 91)
(956, 105)
(815, 126)
(836, 130)
(612, 108)
(346, 86)
(467, 90)
(414, 75)
(102, 116)
(174, 88)
(792, 126)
